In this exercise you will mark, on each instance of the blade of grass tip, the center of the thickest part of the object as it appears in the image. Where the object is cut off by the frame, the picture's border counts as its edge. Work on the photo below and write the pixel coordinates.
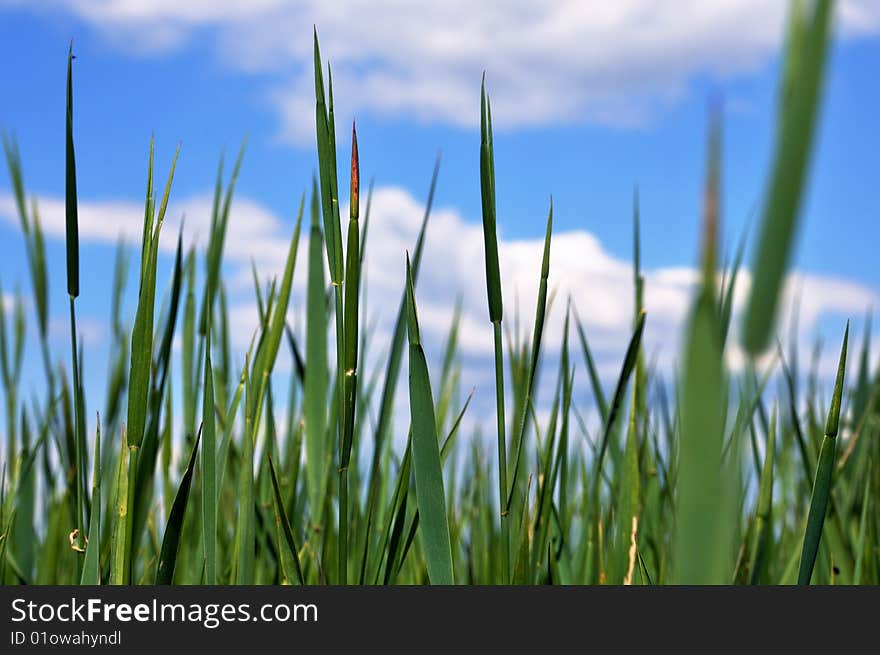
(395, 357)
(537, 334)
(596, 385)
(264, 362)
(629, 363)
(149, 448)
(799, 101)
(824, 475)
(350, 352)
(171, 540)
(426, 454)
(218, 238)
(288, 550)
(449, 442)
(209, 471)
(91, 574)
(142, 352)
(298, 361)
(702, 521)
(493, 291)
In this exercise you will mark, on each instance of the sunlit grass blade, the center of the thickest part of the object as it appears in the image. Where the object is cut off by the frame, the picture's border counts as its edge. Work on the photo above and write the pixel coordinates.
(595, 384)
(824, 475)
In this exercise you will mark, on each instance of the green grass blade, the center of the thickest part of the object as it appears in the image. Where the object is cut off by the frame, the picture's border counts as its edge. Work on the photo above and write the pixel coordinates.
(209, 472)
(761, 531)
(171, 540)
(91, 574)
(316, 371)
(805, 55)
(426, 454)
(70, 204)
(289, 551)
(824, 475)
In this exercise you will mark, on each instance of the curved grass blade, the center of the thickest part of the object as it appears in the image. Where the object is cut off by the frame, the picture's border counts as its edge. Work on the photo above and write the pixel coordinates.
(629, 364)
(288, 550)
(171, 540)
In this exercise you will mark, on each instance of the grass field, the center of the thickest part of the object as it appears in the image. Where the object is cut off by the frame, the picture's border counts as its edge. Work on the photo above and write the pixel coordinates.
(715, 477)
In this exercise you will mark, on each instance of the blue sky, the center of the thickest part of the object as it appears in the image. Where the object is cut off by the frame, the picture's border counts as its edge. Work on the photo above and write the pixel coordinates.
(590, 99)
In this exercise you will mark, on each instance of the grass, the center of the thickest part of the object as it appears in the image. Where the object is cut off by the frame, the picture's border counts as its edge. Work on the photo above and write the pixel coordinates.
(719, 476)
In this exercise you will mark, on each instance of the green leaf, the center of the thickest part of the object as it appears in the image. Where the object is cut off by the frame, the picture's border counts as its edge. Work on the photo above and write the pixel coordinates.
(287, 546)
(171, 540)
(824, 476)
(799, 101)
(91, 574)
(426, 454)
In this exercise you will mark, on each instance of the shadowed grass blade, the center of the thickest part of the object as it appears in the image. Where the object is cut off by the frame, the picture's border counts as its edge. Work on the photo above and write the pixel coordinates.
(288, 550)
(171, 540)
(70, 205)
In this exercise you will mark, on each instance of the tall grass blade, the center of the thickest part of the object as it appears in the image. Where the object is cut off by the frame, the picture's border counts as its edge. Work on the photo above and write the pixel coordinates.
(426, 454)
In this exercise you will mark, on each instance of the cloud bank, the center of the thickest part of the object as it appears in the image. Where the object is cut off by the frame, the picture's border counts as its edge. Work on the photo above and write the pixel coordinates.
(599, 284)
(548, 61)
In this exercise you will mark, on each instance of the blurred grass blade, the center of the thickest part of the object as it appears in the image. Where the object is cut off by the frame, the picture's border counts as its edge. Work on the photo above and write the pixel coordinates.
(799, 101)
(316, 372)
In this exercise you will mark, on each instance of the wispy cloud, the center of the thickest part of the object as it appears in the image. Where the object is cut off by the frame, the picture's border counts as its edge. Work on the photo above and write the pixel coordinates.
(549, 61)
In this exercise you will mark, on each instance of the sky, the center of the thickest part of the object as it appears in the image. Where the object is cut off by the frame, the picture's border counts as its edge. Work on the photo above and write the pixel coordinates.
(590, 100)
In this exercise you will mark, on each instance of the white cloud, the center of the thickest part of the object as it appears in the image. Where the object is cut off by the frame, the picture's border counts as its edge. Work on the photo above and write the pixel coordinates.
(599, 284)
(549, 61)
